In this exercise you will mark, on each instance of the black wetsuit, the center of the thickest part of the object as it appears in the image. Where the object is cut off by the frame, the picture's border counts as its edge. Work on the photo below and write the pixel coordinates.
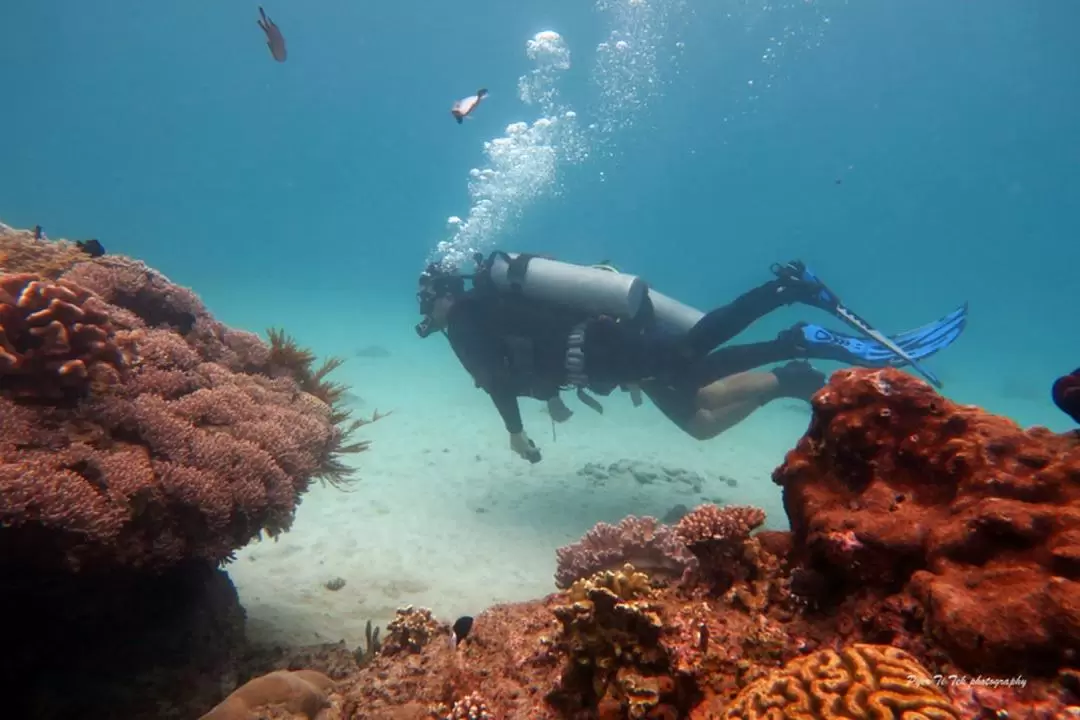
(516, 347)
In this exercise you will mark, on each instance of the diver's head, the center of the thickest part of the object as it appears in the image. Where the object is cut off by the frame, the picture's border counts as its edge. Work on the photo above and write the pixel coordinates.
(436, 293)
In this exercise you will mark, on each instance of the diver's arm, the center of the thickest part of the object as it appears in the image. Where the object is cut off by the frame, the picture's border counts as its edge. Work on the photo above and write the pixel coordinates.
(480, 354)
(506, 403)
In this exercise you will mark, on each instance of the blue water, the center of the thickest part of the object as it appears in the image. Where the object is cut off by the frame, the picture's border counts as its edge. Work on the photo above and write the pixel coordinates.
(309, 194)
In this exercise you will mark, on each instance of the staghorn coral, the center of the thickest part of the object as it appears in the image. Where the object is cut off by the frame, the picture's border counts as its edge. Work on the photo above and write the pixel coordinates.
(56, 340)
(896, 490)
(717, 536)
(409, 631)
(640, 541)
(299, 692)
(856, 683)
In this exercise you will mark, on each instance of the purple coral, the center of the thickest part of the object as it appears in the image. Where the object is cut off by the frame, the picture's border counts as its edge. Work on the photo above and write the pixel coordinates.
(644, 542)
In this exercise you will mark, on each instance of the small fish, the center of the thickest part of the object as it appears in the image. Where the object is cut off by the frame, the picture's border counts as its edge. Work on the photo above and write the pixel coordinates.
(274, 39)
(91, 247)
(462, 108)
(39, 233)
(460, 630)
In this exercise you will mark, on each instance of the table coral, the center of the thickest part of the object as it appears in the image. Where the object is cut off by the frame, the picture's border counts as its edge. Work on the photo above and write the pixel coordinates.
(857, 683)
(56, 340)
(640, 541)
(895, 489)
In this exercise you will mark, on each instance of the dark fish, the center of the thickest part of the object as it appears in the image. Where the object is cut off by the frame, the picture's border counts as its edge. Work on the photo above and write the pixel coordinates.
(91, 247)
(38, 232)
(460, 630)
(463, 107)
(274, 39)
(1066, 394)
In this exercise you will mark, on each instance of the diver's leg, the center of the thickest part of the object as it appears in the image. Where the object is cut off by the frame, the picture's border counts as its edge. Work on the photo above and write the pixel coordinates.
(726, 402)
(722, 324)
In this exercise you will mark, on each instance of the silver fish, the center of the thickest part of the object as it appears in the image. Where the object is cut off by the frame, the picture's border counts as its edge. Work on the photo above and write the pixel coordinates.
(463, 107)
(274, 39)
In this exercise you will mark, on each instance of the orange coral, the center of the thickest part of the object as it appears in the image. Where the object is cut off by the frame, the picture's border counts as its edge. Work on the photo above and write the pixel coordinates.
(860, 681)
(895, 489)
(55, 339)
(301, 692)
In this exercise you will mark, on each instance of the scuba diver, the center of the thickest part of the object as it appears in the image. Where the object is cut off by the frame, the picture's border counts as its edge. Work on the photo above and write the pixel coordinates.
(532, 326)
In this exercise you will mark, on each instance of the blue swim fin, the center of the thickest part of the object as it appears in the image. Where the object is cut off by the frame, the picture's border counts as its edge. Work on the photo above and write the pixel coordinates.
(917, 344)
(817, 294)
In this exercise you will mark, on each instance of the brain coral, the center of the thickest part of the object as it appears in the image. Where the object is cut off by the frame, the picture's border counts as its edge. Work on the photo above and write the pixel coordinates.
(861, 682)
(184, 455)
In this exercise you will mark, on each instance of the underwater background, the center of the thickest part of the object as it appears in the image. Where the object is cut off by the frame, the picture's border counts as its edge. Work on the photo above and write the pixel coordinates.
(916, 154)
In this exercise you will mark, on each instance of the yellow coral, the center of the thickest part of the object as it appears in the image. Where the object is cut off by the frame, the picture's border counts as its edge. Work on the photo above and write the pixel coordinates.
(861, 682)
(625, 584)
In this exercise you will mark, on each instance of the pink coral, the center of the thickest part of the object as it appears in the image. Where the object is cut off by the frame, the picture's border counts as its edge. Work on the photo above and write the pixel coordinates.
(641, 541)
(717, 536)
(188, 455)
(139, 288)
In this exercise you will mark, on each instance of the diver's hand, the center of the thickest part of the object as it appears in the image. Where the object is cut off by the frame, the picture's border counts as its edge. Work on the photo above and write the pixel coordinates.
(558, 411)
(635, 394)
(523, 446)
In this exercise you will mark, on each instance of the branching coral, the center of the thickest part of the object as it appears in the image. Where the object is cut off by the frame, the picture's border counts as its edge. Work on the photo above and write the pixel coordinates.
(717, 535)
(860, 681)
(56, 340)
(640, 541)
(410, 630)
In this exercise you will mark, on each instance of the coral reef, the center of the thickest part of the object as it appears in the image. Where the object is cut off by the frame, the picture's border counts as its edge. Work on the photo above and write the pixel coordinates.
(21, 252)
(928, 539)
(963, 521)
(141, 443)
(639, 541)
(136, 431)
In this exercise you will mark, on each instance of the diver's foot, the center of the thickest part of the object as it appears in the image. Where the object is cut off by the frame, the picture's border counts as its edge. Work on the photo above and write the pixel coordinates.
(799, 380)
(798, 284)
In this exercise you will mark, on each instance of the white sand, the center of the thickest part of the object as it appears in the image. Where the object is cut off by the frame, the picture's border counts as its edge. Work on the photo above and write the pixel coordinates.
(446, 517)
